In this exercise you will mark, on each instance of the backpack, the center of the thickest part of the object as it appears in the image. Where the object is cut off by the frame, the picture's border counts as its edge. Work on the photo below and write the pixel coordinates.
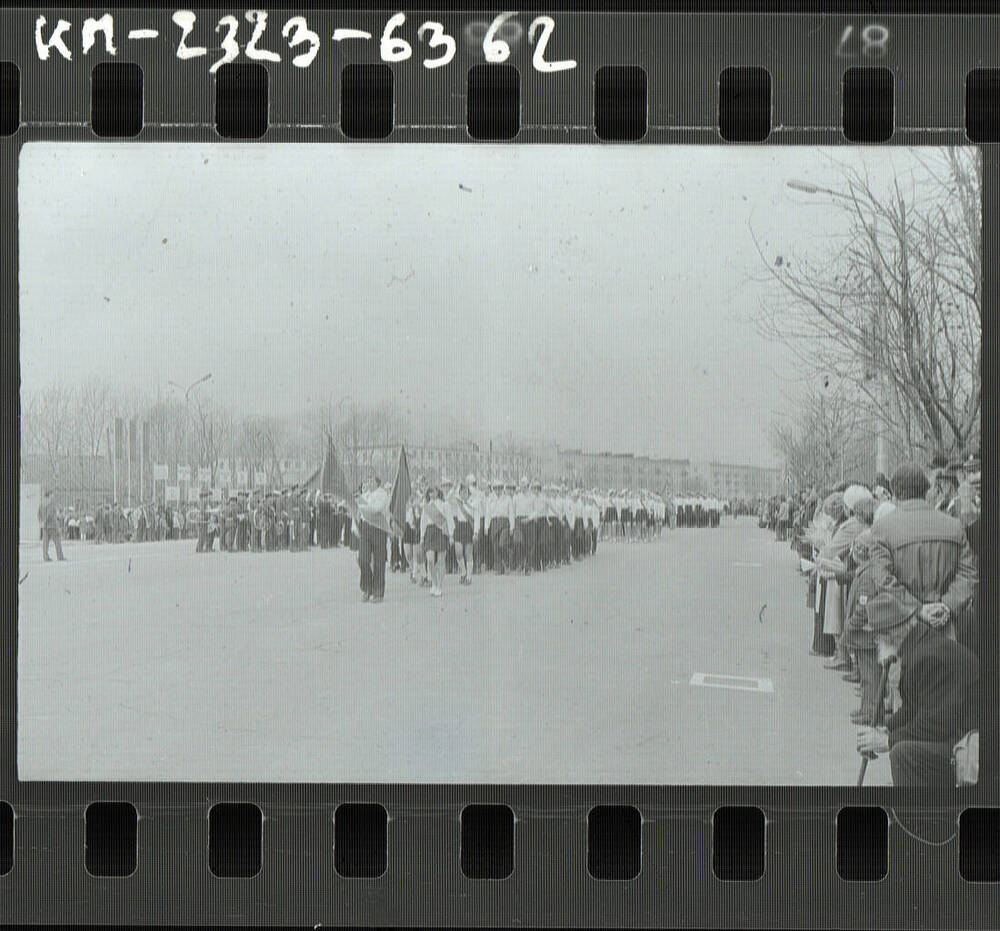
(965, 758)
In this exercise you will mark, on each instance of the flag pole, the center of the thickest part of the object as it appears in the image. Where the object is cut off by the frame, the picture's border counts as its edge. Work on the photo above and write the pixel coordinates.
(128, 454)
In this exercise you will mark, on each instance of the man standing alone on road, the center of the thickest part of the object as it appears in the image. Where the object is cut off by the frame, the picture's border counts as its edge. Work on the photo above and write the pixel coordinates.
(49, 521)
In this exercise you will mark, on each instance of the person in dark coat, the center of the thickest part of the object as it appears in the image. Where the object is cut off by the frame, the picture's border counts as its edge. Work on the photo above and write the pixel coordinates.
(324, 522)
(859, 641)
(923, 556)
(939, 693)
(48, 519)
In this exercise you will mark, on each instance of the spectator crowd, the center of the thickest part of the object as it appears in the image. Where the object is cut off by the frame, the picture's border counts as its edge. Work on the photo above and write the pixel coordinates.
(892, 571)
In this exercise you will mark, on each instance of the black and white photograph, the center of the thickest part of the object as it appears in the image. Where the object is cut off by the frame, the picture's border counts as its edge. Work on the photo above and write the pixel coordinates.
(535, 464)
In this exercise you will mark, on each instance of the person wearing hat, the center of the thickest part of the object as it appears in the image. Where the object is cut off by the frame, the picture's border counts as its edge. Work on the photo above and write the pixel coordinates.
(832, 577)
(502, 518)
(227, 523)
(923, 555)
(48, 520)
(938, 690)
(241, 534)
(859, 641)
(937, 464)
(324, 521)
(523, 534)
(476, 501)
(206, 539)
(488, 504)
(945, 491)
(306, 526)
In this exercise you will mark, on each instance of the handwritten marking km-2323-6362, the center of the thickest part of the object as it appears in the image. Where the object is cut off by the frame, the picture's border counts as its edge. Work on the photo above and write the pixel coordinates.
(500, 35)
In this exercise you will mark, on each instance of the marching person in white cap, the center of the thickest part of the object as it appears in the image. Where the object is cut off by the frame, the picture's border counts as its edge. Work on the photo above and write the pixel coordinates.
(465, 518)
(523, 535)
(476, 501)
(501, 523)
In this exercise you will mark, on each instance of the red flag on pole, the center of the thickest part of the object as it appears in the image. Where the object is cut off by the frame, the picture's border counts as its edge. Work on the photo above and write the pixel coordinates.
(332, 480)
(401, 491)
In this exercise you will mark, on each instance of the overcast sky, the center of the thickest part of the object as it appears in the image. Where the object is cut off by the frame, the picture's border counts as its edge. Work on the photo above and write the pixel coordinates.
(597, 296)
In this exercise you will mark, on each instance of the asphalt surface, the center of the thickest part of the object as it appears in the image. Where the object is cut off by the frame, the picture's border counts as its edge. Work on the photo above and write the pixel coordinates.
(151, 662)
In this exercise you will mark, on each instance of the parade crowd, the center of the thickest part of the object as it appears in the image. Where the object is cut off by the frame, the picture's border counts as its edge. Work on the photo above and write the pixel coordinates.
(505, 528)
(893, 571)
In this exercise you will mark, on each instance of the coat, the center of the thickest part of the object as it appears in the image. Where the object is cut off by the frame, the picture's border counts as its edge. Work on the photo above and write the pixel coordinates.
(922, 555)
(838, 548)
(856, 614)
(938, 688)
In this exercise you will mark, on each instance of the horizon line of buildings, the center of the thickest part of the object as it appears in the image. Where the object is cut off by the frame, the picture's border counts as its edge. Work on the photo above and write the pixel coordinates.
(91, 480)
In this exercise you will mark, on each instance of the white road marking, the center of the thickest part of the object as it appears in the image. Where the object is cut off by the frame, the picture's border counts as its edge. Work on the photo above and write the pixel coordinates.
(743, 683)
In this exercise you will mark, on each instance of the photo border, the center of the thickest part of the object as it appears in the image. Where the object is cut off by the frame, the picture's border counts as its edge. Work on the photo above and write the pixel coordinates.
(683, 56)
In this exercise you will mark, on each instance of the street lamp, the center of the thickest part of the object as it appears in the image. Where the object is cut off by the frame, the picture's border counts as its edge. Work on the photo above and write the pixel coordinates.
(187, 401)
(191, 387)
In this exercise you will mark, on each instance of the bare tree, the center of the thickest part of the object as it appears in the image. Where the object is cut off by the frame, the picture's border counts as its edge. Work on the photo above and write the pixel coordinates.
(827, 441)
(893, 305)
(92, 417)
(50, 421)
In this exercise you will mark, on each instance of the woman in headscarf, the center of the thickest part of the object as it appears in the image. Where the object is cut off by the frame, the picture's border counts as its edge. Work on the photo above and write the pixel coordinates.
(829, 513)
(834, 563)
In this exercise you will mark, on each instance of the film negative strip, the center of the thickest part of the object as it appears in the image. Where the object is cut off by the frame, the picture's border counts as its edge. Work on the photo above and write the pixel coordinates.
(457, 456)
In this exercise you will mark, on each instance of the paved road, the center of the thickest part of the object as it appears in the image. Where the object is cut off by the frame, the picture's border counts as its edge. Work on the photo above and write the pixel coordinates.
(142, 662)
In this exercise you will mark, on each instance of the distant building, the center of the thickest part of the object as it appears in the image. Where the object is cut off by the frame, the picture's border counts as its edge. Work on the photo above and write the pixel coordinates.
(724, 480)
(80, 481)
(437, 462)
(573, 466)
(625, 470)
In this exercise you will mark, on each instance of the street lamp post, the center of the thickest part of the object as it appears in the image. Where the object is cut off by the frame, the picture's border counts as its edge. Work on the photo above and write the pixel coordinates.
(187, 405)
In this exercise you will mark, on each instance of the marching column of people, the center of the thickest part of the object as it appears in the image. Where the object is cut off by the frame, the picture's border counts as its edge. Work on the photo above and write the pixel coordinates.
(458, 528)
(893, 577)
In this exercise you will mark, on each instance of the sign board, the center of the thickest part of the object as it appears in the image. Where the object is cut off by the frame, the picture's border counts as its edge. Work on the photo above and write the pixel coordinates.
(204, 475)
(159, 472)
(194, 493)
(259, 478)
(183, 473)
(173, 494)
